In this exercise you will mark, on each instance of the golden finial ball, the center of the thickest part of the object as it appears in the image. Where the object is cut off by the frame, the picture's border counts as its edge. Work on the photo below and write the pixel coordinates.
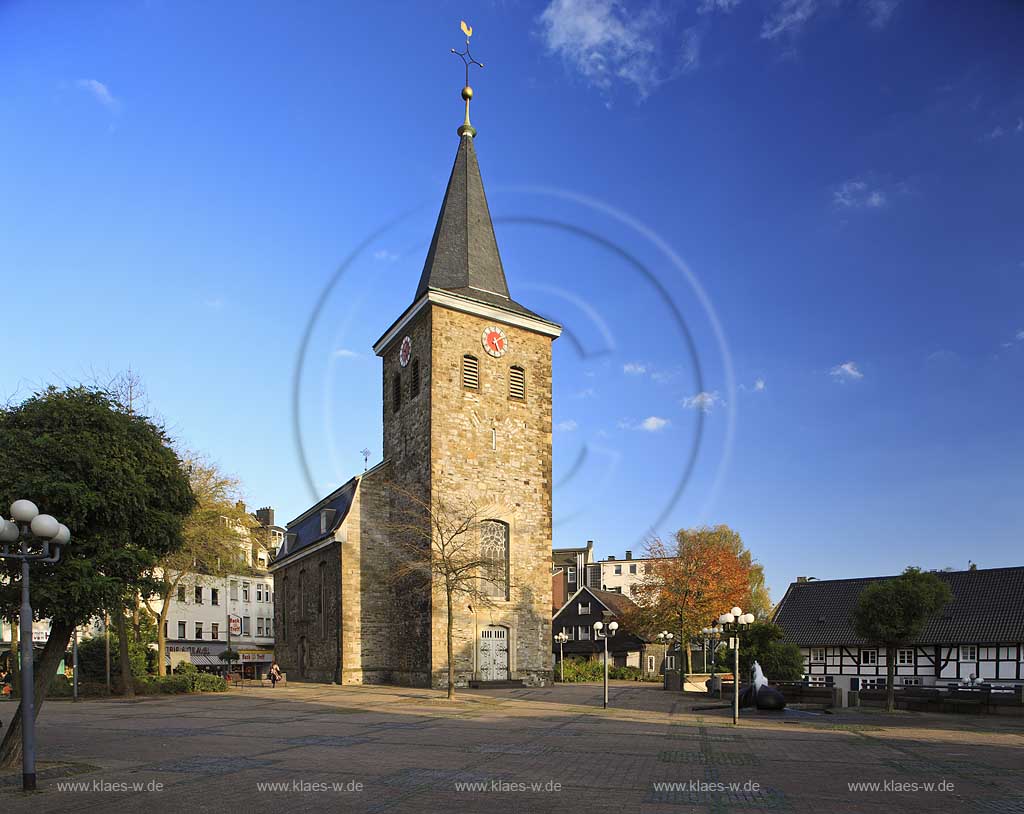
(467, 93)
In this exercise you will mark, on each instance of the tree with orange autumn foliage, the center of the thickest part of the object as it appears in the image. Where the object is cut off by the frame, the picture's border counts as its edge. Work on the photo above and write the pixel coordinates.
(691, 580)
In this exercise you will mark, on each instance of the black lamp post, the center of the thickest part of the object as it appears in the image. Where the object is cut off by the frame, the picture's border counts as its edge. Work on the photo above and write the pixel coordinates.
(37, 538)
(602, 631)
(733, 622)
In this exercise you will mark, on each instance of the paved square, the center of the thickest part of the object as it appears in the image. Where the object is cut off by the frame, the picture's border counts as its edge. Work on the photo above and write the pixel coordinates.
(386, 749)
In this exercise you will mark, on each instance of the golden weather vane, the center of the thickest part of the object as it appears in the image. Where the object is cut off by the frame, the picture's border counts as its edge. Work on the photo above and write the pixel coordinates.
(467, 91)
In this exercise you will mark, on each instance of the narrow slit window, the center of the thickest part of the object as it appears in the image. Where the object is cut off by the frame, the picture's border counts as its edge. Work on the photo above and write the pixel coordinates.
(415, 378)
(517, 383)
(470, 372)
(396, 393)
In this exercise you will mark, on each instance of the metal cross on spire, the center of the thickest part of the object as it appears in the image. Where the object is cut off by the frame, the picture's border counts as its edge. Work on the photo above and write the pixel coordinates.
(467, 91)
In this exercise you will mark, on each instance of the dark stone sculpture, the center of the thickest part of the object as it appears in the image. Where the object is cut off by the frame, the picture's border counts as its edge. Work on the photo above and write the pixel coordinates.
(759, 694)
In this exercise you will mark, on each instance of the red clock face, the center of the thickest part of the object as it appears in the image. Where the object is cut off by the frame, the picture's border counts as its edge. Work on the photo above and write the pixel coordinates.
(494, 341)
(405, 352)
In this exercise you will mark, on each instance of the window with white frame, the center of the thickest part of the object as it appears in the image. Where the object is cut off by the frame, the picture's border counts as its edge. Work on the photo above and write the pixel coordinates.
(199, 630)
(818, 655)
(570, 632)
(618, 570)
(570, 575)
(259, 625)
(246, 625)
(905, 657)
(214, 630)
(259, 592)
(650, 664)
(869, 657)
(968, 652)
(233, 590)
(817, 681)
(269, 626)
(632, 569)
(245, 591)
(670, 662)
(873, 683)
(199, 594)
(911, 681)
(214, 596)
(584, 633)
(181, 630)
(584, 610)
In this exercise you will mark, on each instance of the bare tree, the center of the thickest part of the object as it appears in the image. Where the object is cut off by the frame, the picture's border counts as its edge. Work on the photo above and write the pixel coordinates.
(437, 542)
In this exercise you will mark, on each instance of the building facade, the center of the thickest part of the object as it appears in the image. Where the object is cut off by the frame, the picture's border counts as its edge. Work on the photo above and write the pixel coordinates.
(466, 380)
(978, 633)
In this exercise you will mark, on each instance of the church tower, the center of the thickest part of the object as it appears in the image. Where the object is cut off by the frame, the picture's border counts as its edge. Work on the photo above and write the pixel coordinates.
(467, 418)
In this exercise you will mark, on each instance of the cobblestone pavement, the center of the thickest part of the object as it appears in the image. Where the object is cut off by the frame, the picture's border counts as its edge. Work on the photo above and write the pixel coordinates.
(397, 750)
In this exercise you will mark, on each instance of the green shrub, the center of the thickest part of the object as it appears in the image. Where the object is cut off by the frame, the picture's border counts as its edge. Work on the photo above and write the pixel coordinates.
(60, 687)
(625, 673)
(189, 672)
(174, 684)
(207, 682)
(580, 669)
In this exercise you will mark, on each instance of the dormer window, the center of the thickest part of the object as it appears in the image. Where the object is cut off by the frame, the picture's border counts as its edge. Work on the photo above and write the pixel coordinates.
(326, 520)
(584, 610)
(517, 383)
(470, 372)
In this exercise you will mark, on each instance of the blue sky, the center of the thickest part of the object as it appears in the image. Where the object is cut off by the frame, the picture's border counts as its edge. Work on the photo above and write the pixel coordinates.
(825, 195)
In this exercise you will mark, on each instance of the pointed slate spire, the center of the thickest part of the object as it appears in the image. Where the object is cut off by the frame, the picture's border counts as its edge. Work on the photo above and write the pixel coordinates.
(463, 252)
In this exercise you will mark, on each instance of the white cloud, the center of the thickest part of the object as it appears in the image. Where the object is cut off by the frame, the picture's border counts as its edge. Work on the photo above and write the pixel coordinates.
(566, 426)
(704, 401)
(654, 423)
(847, 371)
(650, 424)
(99, 91)
(709, 6)
(994, 133)
(1020, 335)
(634, 368)
(1020, 125)
(344, 353)
(760, 385)
(880, 11)
(385, 256)
(789, 18)
(610, 41)
(858, 194)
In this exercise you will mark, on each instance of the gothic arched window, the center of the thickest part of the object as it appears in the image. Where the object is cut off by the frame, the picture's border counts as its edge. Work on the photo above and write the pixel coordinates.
(494, 553)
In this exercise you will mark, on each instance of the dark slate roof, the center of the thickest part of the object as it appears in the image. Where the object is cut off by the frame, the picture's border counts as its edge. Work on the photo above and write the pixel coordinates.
(617, 603)
(463, 252)
(306, 527)
(987, 608)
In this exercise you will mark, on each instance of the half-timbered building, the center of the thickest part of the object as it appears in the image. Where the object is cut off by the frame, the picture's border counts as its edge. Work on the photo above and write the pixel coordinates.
(980, 632)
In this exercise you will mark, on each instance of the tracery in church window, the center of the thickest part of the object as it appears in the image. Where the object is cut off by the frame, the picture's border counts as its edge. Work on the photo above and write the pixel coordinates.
(494, 553)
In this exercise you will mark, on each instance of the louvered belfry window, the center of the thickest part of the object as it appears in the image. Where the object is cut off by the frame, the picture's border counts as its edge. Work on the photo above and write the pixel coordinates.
(517, 383)
(470, 372)
(415, 377)
(396, 393)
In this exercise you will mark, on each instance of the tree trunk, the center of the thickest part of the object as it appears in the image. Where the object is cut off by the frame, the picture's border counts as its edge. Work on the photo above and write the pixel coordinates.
(689, 658)
(127, 682)
(137, 620)
(14, 659)
(46, 669)
(890, 683)
(451, 649)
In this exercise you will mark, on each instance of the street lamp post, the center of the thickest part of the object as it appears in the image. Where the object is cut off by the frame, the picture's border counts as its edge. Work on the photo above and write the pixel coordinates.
(562, 637)
(733, 622)
(37, 538)
(711, 636)
(666, 639)
(601, 632)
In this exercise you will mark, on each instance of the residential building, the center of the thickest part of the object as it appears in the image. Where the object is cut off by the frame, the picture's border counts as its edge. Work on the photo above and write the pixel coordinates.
(980, 632)
(625, 649)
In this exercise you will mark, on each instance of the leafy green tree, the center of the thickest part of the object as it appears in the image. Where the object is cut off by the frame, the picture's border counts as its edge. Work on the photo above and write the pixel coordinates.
(893, 612)
(92, 657)
(762, 642)
(115, 481)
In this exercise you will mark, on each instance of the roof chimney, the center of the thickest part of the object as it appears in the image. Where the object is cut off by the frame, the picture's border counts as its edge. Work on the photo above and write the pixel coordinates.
(629, 554)
(801, 579)
(611, 557)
